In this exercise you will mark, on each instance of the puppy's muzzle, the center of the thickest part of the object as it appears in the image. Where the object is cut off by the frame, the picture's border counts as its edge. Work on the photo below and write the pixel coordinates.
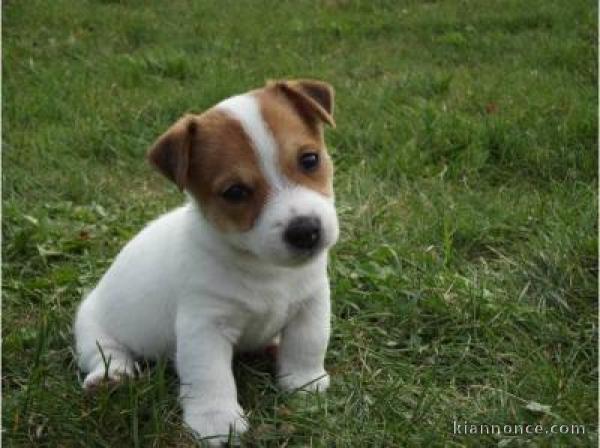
(303, 233)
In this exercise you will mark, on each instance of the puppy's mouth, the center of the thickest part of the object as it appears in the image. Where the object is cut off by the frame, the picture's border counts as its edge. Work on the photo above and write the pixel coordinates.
(300, 257)
(291, 257)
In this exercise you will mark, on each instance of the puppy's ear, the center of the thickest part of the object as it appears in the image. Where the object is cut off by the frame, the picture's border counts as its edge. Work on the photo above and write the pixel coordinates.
(171, 153)
(313, 99)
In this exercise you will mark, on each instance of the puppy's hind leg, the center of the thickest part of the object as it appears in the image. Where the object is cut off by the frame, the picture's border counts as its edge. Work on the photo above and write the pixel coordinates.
(99, 355)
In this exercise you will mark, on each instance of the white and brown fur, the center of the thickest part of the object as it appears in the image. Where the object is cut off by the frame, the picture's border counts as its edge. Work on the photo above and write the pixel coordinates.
(214, 276)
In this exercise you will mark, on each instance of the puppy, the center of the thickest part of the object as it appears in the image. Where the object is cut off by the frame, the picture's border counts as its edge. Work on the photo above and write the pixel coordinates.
(243, 263)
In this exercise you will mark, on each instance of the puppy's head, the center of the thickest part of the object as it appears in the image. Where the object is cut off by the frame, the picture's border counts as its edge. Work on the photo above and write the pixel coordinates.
(258, 167)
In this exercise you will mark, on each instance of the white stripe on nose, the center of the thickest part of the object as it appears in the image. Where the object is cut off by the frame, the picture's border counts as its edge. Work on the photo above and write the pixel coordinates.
(246, 109)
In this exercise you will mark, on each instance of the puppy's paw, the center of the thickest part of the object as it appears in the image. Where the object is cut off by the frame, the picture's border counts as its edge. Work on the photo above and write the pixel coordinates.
(217, 425)
(305, 381)
(116, 372)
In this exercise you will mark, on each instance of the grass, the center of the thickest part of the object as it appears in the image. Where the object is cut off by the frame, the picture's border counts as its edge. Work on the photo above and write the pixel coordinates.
(465, 282)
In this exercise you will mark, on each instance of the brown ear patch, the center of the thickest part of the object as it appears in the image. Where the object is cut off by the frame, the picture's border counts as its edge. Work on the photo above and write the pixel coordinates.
(313, 99)
(294, 136)
(170, 154)
(322, 92)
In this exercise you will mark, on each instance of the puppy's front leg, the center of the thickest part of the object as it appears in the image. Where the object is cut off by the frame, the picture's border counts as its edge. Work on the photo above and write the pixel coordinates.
(303, 345)
(208, 394)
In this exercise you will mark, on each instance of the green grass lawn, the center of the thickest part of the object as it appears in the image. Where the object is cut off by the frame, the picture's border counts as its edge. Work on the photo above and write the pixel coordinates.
(465, 281)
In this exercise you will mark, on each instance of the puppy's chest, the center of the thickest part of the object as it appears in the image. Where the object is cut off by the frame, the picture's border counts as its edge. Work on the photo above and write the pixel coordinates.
(265, 311)
(260, 330)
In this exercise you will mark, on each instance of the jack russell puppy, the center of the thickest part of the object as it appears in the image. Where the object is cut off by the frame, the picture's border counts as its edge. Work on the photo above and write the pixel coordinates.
(243, 263)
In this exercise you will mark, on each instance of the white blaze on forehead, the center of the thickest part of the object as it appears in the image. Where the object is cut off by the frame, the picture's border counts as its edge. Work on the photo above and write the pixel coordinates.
(246, 109)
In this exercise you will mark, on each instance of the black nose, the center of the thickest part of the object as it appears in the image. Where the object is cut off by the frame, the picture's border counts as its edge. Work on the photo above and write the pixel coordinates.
(303, 232)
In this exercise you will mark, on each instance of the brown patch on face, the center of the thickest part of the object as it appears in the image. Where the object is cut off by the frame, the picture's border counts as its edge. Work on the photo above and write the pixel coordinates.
(224, 158)
(296, 135)
(215, 156)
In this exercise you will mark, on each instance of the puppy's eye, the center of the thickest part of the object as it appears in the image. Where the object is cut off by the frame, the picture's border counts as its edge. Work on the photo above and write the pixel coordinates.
(309, 161)
(236, 193)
